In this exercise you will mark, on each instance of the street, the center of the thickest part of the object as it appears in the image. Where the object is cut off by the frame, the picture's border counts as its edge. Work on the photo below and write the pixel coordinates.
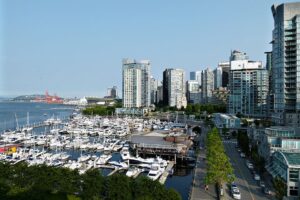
(249, 188)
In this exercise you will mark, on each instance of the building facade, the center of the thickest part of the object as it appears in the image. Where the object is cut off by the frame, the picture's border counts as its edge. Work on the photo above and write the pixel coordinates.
(225, 73)
(174, 92)
(218, 77)
(195, 76)
(248, 88)
(193, 92)
(136, 83)
(207, 85)
(286, 63)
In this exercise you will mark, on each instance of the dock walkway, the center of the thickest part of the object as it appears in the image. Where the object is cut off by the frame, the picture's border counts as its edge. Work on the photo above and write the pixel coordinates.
(165, 174)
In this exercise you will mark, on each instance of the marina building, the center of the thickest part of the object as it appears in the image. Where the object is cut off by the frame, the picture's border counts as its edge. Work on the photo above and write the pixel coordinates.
(286, 64)
(222, 120)
(174, 88)
(248, 87)
(136, 83)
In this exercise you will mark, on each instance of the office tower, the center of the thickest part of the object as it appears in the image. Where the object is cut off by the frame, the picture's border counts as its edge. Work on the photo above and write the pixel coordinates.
(270, 91)
(225, 73)
(193, 92)
(154, 89)
(248, 88)
(174, 88)
(112, 92)
(238, 55)
(217, 77)
(136, 83)
(207, 85)
(195, 76)
(286, 64)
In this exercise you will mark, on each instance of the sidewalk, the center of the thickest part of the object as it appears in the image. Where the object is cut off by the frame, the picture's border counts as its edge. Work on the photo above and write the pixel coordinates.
(198, 188)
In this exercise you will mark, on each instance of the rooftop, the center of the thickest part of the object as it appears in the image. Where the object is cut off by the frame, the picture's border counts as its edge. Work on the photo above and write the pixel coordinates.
(292, 158)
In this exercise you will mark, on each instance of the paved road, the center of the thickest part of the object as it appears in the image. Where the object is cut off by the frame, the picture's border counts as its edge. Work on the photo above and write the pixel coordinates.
(249, 188)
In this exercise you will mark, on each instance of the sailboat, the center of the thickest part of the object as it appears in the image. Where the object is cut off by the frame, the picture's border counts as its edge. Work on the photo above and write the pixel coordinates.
(27, 128)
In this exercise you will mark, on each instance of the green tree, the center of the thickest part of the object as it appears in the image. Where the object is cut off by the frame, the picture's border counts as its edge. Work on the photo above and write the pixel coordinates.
(219, 169)
(280, 187)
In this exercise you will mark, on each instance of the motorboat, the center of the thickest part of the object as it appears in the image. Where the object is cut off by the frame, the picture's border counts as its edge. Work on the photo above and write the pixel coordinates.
(103, 159)
(155, 171)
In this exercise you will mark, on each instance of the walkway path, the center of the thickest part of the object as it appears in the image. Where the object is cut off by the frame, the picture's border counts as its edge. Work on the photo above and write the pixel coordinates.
(198, 188)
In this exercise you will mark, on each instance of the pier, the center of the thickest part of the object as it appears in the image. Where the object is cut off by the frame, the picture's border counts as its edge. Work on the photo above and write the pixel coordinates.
(165, 175)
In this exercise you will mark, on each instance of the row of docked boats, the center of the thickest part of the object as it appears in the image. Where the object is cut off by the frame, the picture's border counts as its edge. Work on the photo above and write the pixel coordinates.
(89, 134)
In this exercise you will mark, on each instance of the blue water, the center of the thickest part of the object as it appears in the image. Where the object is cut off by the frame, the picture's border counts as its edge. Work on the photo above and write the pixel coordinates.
(12, 113)
(38, 112)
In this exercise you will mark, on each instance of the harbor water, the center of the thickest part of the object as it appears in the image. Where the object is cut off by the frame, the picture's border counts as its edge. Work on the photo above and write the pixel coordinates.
(14, 114)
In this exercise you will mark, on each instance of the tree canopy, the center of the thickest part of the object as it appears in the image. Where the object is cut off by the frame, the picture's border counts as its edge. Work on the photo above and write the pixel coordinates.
(219, 169)
(18, 182)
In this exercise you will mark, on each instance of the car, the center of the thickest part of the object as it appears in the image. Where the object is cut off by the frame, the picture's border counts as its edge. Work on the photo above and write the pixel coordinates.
(238, 150)
(242, 155)
(262, 184)
(236, 194)
(233, 186)
(256, 177)
(250, 165)
(266, 191)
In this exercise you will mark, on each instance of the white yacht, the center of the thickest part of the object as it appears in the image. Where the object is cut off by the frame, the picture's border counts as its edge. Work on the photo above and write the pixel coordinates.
(155, 171)
(103, 159)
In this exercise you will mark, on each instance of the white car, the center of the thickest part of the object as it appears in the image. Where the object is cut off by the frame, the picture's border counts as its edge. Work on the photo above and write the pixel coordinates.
(256, 177)
(250, 165)
(236, 194)
(242, 155)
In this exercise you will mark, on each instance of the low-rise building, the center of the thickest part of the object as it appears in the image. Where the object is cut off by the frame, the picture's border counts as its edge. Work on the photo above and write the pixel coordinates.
(279, 138)
(287, 166)
(222, 120)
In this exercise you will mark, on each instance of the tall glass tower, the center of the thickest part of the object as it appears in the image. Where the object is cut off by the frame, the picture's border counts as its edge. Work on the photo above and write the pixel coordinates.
(286, 64)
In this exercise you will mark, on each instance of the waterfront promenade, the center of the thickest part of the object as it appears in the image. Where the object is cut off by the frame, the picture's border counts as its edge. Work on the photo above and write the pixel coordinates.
(198, 186)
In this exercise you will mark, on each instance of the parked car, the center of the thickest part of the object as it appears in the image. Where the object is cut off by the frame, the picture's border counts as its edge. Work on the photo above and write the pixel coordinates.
(250, 165)
(256, 177)
(242, 155)
(236, 194)
(262, 184)
(238, 150)
(266, 191)
(233, 186)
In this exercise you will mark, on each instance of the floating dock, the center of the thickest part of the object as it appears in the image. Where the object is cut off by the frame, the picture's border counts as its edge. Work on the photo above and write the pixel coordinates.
(165, 175)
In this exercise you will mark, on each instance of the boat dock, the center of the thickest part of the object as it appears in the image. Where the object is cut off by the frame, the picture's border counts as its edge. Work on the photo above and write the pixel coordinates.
(165, 175)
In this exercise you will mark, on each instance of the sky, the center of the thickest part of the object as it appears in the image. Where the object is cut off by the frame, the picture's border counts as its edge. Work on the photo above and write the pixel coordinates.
(75, 47)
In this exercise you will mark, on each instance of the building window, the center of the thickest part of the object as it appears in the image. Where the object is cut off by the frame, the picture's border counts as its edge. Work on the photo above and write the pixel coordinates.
(294, 191)
(294, 175)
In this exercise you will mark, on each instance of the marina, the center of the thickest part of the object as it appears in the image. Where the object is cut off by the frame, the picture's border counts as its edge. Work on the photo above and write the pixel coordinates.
(106, 143)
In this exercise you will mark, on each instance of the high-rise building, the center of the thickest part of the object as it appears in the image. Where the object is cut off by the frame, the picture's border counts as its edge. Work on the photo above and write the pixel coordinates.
(154, 89)
(207, 85)
(174, 88)
(112, 92)
(136, 83)
(225, 73)
(217, 77)
(193, 91)
(286, 64)
(238, 55)
(195, 76)
(248, 88)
